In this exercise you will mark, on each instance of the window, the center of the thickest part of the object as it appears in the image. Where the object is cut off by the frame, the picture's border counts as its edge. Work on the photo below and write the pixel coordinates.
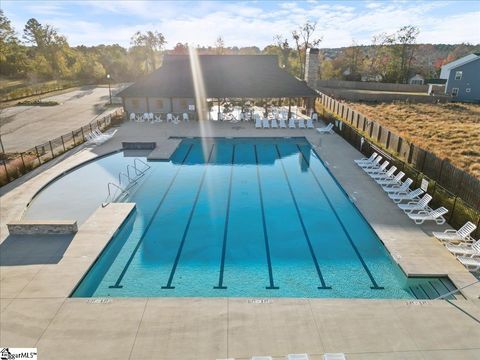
(160, 103)
(454, 92)
(468, 90)
(458, 75)
(135, 103)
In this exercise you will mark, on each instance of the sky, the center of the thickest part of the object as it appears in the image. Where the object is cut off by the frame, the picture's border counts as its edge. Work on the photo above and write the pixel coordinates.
(249, 23)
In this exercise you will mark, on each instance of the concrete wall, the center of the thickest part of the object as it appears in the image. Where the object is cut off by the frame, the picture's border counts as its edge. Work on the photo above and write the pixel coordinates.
(159, 105)
(31, 227)
(470, 80)
(135, 105)
(374, 86)
(180, 105)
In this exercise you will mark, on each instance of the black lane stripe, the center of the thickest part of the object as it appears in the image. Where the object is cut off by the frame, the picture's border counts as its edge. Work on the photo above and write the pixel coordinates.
(265, 234)
(310, 247)
(187, 227)
(225, 229)
(130, 259)
(357, 252)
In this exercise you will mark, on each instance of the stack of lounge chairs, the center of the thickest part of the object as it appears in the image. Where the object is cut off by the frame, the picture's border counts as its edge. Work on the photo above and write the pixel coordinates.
(281, 123)
(416, 205)
(96, 137)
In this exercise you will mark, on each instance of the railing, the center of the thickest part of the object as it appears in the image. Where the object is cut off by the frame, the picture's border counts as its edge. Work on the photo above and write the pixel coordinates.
(456, 291)
(16, 164)
(131, 181)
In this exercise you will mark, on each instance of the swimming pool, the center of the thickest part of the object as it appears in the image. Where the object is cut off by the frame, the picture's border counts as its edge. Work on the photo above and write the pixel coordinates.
(244, 217)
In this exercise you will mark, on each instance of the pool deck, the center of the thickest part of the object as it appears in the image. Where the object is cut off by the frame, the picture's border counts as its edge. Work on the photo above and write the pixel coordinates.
(35, 285)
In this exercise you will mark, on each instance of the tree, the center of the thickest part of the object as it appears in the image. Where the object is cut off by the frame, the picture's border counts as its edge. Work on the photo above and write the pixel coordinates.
(13, 57)
(304, 40)
(285, 50)
(219, 46)
(180, 49)
(150, 43)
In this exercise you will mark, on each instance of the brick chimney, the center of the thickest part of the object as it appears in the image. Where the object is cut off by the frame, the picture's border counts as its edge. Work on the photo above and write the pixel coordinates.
(311, 67)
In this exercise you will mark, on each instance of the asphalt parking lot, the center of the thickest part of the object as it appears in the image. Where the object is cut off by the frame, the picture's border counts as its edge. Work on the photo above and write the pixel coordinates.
(22, 127)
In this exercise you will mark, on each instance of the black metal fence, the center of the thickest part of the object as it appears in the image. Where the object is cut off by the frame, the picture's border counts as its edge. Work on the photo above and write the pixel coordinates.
(15, 164)
(449, 186)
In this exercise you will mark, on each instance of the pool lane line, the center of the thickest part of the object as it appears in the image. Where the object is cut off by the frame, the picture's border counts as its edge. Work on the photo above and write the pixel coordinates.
(187, 227)
(130, 259)
(225, 229)
(264, 224)
(357, 252)
(304, 228)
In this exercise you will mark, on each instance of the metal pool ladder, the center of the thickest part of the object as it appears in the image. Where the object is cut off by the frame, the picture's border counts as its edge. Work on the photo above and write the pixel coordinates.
(130, 178)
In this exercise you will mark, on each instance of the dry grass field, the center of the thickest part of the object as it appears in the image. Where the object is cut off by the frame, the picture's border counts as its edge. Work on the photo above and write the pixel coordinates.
(450, 131)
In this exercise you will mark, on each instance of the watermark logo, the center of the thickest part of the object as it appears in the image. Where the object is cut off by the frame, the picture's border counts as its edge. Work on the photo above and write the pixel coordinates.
(18, 353)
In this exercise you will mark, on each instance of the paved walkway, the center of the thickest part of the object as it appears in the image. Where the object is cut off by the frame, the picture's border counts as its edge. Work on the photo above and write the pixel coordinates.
(36, 311)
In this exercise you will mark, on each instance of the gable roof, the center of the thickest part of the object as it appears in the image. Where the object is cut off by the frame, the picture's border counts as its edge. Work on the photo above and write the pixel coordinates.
(445, 72)
(224, 76)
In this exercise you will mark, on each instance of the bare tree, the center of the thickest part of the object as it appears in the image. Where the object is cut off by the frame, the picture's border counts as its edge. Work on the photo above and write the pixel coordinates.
(285, 49)
(219, 46)
(304, 40)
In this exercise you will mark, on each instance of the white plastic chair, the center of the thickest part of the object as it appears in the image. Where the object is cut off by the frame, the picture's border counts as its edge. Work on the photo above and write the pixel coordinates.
(471, 264)
(315, 116)
(185, 117)
(421, 204)
(301, 123)
(274, 123)
(133, 116)
(282, 123)
(258, 123)
(265, 123)
(412, 195)
(310, 124)
(460, 235)
(291, 123)
(470, 250)
(433, 215)
(367, 160)
(397, 180)
(404, 188)
(157, 118)
(327, 129)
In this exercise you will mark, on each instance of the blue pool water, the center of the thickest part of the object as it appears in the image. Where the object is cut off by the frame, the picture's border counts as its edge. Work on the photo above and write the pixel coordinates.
(244, 218)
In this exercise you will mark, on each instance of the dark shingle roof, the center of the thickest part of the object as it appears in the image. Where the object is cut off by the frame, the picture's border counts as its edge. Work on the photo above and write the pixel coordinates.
(225, 76)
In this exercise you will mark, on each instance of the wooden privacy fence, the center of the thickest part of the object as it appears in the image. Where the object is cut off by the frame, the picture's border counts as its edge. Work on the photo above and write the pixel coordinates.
(15, 165)
(451, 187)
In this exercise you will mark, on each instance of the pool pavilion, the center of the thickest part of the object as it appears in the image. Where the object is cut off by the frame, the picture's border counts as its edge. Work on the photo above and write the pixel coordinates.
(182, 82)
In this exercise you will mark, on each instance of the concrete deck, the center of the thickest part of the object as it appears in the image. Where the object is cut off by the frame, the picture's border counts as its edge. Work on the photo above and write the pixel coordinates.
(36, 311)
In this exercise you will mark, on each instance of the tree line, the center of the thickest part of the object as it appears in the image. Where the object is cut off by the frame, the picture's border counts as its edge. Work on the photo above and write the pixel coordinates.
(42, 53)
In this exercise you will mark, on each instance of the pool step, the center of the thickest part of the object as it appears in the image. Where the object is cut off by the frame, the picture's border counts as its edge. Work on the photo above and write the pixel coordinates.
(434, 288)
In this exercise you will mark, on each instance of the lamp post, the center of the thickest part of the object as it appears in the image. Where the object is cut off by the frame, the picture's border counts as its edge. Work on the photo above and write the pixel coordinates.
(109, 89)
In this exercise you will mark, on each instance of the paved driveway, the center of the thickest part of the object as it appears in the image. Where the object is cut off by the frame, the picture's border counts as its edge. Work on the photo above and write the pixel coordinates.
(23, 127)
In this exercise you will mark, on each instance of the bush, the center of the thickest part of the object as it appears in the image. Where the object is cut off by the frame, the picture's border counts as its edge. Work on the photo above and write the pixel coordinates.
(37, 103)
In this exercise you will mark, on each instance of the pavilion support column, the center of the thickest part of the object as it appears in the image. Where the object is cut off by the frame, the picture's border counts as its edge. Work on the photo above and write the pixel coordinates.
(171, 105)
(218, 110)
(148, 104)
(289, 108)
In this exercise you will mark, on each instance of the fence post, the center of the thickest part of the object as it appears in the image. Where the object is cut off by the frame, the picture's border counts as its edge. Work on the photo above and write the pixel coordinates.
(38, 156)
(6, 171)
(23, 162)
(388, 139)
(73, 136)
(453, 209)
(51, 149)
(90, 127)
(63, 143)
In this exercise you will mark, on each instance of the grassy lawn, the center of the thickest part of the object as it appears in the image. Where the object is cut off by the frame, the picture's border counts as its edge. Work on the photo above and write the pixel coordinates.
(450, 131)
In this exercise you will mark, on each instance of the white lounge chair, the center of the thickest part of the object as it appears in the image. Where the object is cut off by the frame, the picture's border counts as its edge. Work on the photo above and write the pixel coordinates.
(310, 124)
(372, 164)
(460, 235)
(301, 123)
(258, 123)
(185, 117)
(98, 138)
(412, 195)
(157, 118)
(421, 204)
(291, 123)
(377, 170)
(432, 215)
(472, 264)
(386, 175)
(315, 116)
(133, 116)
(282, 123)
(367, 160)
(265, 123)
(261, 358)
(334, 356)
(404, 188)
(468, 250)
(397, 180)
(274, 124)
(297, 357)
(326, 129)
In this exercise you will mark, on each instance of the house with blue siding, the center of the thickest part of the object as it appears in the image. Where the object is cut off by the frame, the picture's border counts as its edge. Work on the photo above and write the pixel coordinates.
(463, 78)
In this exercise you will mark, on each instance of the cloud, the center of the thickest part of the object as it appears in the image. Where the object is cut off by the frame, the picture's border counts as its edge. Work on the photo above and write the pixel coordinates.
(249, 23)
